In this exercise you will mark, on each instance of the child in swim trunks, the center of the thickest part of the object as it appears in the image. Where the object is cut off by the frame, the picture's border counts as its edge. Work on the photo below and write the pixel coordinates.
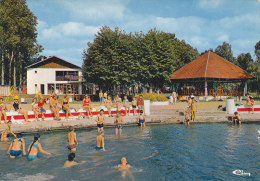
(71, 161)
(3, 110)
(141, 118)
(100, 141)
(17, 147)
(187, 118)
(134, 103)
(72, 140)
(100, 121)
(236, 118)
(41, 107)
(119, 122)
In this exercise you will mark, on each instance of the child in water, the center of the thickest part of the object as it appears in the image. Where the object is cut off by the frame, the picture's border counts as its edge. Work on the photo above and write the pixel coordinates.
(187, 118)
(72, 140)
(6, 131)
(236, 118)
(119, 123)
(100, 141)
(123, 163)
(17, 147)
(100, 121)
(141, 118)
(71, 161)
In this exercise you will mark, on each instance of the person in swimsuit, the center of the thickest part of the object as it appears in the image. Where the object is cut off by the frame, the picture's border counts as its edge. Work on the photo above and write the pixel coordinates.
(189, 103)
(252, 103)
(35, 109)
(34, 147)
(105, 95)
(194, 109)
(3, 110)
(100, 141)
(71, 161)
(87, 105)
(54, 106)
(124, 168)
(72, 140)
(18, 109)
(100, 121)
(140, 103)
(174, 96)
(134, 103)
(108, 104)
(118, 102)
(41, 107)
(141, 118)
(6, 131)
(123, 163)
(15, 148)
(101, 97)
(187, 118)
(236, 118)
(66, 106)
(126, 105)
(119, 122)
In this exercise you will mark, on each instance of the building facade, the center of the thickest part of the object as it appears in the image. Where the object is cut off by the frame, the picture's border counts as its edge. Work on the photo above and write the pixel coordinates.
(54, 75)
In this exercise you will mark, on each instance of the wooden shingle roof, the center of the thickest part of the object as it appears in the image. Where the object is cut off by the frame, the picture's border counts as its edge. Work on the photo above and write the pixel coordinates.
(210, 65)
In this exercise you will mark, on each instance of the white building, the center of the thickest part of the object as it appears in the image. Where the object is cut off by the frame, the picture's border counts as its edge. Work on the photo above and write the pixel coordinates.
(54, 75)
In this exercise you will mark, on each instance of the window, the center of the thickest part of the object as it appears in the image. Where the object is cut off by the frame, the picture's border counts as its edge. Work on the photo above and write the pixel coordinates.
(51, 88)
(67, 76)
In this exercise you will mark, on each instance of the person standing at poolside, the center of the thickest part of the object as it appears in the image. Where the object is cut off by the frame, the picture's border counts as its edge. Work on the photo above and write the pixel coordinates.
(118, 102)
(141, 119)
(194, 109)
(66, 106)
(34, 147)
(35, 109)
(71, 161)
(17, 147)
(252, 103)
(18, 109)
(189, 103)
(100, 141)
(140, 103)
(6, 131)
(126, 105)
(174, 96)
(105, 95)
(3, 110)
(101, 97)
(72, 140)
(87, 105)
(41, 107)
(100, 121)
(54, 106)
(108, 104)
(187, 118)
(119, 122)
(134, 103)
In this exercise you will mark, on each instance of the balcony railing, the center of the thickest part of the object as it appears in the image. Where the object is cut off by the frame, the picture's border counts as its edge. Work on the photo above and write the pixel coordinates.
(67, 78)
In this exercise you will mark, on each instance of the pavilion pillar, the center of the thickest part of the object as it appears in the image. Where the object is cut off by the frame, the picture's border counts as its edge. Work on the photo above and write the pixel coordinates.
(206, 88)
(245, 90)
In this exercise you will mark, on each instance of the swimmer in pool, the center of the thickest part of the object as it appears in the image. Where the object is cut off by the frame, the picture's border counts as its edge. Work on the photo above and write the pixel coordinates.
(72, 140)
(6, 131)
(34, 147)
(124, 168)
(71, 161)
(100, 121)
(187, 118)
(236, 118)
(15, 148)
(141, 118)
(123, 163)
(119, 122)
(100, 141)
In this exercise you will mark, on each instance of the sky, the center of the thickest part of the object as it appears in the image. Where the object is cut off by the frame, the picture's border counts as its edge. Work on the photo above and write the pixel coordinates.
(66, 26)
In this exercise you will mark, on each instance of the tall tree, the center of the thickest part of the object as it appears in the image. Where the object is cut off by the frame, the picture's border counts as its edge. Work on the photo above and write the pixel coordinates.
(245, 61)
(257, 50)
(225, 51)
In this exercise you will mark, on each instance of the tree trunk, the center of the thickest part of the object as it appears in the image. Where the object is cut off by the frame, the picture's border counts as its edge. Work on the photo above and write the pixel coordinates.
(3, 72)
(14, 78)
(10, 68)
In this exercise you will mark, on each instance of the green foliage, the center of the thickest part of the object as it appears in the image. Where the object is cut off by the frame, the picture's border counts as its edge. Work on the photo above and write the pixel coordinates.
(116, 58)
(225, 51)
(17, 40)
(153, 97)
(245, 61)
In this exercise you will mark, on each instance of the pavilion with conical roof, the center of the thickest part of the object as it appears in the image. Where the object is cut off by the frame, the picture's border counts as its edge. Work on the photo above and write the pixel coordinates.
(210, 70)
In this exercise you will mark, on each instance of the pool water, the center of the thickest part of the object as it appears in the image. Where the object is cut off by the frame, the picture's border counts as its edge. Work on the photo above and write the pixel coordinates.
(206, 151)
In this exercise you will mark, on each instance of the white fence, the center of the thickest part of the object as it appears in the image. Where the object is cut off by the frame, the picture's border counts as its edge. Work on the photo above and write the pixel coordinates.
(4, 90)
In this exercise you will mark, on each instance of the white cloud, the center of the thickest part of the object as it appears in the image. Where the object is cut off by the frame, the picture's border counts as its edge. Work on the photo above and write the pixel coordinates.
(96, 10)
(222, 38)
(205, 4)
(69, 29)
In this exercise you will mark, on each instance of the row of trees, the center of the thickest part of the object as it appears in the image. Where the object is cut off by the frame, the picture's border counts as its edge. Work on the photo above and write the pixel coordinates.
(116, 58)
(18, 41)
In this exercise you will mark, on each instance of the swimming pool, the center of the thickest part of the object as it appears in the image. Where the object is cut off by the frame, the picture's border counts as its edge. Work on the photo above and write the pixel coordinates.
(206, 151)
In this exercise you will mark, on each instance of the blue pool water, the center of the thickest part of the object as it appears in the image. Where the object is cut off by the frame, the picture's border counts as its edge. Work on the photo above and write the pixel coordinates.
(206, 151)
